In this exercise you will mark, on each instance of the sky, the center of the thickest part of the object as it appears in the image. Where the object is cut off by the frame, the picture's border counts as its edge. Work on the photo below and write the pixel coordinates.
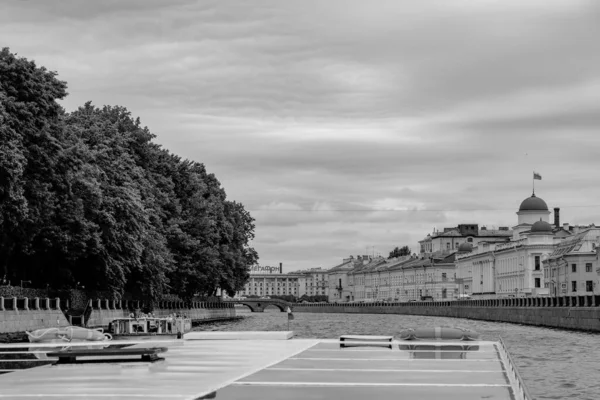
(346, 127)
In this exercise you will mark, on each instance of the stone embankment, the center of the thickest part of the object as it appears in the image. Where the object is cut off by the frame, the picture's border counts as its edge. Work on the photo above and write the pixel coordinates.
(105, 311)
(18, 315)
(575, 312)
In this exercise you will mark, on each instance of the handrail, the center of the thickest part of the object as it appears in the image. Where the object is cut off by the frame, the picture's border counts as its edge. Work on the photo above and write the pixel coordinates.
(514, 375)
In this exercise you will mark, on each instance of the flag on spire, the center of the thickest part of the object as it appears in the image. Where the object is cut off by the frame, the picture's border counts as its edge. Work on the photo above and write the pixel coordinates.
(537, 176)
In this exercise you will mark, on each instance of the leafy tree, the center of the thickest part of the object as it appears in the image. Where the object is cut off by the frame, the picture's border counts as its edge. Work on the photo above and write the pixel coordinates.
(400, 252)
(87, 199)
(29, 124)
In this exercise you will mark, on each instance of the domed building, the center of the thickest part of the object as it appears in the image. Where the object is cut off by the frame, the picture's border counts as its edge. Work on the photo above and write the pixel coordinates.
(533, 209)
(465, 247)
(541, 228)
(513, 268)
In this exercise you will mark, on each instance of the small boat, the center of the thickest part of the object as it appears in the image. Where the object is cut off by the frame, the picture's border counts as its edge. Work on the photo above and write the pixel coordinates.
(149, 327)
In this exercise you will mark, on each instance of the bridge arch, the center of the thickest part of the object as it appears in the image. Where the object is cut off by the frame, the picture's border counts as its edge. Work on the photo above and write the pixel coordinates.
(250, 306)
(259, 305)
(281, 307)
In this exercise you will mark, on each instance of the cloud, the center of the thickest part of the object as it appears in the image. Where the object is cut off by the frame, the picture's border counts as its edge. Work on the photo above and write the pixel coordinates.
(346, 124)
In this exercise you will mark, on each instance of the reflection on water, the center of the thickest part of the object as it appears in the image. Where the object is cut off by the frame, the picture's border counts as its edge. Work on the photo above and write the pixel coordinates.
(555, 364)
(438, 352)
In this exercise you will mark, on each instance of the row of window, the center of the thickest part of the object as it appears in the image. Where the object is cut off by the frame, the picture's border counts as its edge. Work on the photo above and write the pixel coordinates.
(589, 286)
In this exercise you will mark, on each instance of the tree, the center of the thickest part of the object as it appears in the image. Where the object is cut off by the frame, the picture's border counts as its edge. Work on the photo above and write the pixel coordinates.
(400, 252)
(29, 145)
(87, 199)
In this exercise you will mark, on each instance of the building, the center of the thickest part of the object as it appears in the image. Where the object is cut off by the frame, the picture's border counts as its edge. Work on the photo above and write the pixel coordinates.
(312, 282)
(398, 279)
(511, 268)
(448, 241)
(264, 285)
(572, 268)
(337, 278)
(365, 278)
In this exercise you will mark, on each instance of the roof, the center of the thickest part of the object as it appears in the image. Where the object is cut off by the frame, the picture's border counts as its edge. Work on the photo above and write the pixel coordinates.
(541, 227)
(580, 243)
(480, 233)
(533, 203)
(465, 247)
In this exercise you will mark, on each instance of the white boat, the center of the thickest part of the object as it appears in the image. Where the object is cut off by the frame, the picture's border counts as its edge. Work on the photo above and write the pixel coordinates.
(149, 327)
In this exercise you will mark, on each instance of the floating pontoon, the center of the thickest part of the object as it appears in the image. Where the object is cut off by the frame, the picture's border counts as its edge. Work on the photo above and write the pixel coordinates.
(268, 365)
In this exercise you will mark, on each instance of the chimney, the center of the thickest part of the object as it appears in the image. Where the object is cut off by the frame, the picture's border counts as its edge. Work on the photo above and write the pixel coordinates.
(557, 217)
(281, 268)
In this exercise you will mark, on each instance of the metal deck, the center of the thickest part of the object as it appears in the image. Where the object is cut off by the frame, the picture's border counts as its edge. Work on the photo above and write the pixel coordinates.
(280, 369)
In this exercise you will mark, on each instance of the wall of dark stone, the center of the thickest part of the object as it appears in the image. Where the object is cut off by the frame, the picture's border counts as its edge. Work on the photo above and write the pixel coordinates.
(586, 318)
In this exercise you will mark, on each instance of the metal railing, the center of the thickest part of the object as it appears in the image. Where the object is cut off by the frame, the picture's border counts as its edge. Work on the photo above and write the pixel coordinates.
(513, 373)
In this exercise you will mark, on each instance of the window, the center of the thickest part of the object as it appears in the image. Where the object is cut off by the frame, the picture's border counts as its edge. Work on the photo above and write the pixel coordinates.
(573, 267)
(447, 246)
(589, 286)
(469, 240)
(588, 267)
(443, 293)
(444, 277)
(537, 264)
(537, 282)
(573, 286)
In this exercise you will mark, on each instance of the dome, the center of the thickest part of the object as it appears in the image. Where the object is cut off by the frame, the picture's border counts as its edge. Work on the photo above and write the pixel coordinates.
(465, 247)
(541, 227)
(533, 204)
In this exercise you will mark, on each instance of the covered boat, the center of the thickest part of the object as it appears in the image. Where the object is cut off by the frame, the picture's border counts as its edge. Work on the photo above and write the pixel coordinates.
(168, 327)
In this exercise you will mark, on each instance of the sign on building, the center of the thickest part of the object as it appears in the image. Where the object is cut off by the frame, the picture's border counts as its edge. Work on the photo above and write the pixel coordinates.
(259, 269)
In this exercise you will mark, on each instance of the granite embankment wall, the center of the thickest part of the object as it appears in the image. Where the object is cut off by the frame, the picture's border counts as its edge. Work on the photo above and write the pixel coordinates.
(18, 315)
(579, 313)
(105, 311)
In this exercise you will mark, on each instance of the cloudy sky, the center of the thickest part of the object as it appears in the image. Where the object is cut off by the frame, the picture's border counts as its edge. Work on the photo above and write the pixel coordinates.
(346, 126)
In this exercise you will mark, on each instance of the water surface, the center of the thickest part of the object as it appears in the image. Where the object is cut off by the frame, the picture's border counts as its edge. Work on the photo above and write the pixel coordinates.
(555, 364)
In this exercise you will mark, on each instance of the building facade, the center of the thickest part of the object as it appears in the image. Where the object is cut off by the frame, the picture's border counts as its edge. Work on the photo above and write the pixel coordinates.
(512, 268)
(313, 282)
(572, 268)
(266, 285)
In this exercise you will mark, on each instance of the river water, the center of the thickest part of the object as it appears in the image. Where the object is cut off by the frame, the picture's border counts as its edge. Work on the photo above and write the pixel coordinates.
(554, 363)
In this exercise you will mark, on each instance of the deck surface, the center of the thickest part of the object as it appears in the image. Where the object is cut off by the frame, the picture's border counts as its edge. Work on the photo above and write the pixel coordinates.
(277, 369)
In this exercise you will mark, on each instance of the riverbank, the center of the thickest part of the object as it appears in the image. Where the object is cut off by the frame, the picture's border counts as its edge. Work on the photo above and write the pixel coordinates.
(18, 315)
(574, 318)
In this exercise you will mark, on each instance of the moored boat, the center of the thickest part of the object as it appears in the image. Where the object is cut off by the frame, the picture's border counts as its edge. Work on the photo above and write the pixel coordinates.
(150, 327)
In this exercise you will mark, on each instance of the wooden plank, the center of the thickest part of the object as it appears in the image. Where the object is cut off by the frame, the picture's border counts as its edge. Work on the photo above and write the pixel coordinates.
(71, 355)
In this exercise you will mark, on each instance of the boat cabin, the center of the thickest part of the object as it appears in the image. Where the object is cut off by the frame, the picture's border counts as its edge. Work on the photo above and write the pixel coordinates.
(150, 326)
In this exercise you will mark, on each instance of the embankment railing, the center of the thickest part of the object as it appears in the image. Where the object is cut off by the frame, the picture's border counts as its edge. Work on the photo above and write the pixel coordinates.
(563, 301)
(24, 303)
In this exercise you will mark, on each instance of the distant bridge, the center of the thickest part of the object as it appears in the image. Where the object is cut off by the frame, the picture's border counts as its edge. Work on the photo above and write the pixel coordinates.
(259, 305)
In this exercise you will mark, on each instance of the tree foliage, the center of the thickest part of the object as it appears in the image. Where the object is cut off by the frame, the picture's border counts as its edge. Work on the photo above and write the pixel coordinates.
(400, 252)
(88, 199)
